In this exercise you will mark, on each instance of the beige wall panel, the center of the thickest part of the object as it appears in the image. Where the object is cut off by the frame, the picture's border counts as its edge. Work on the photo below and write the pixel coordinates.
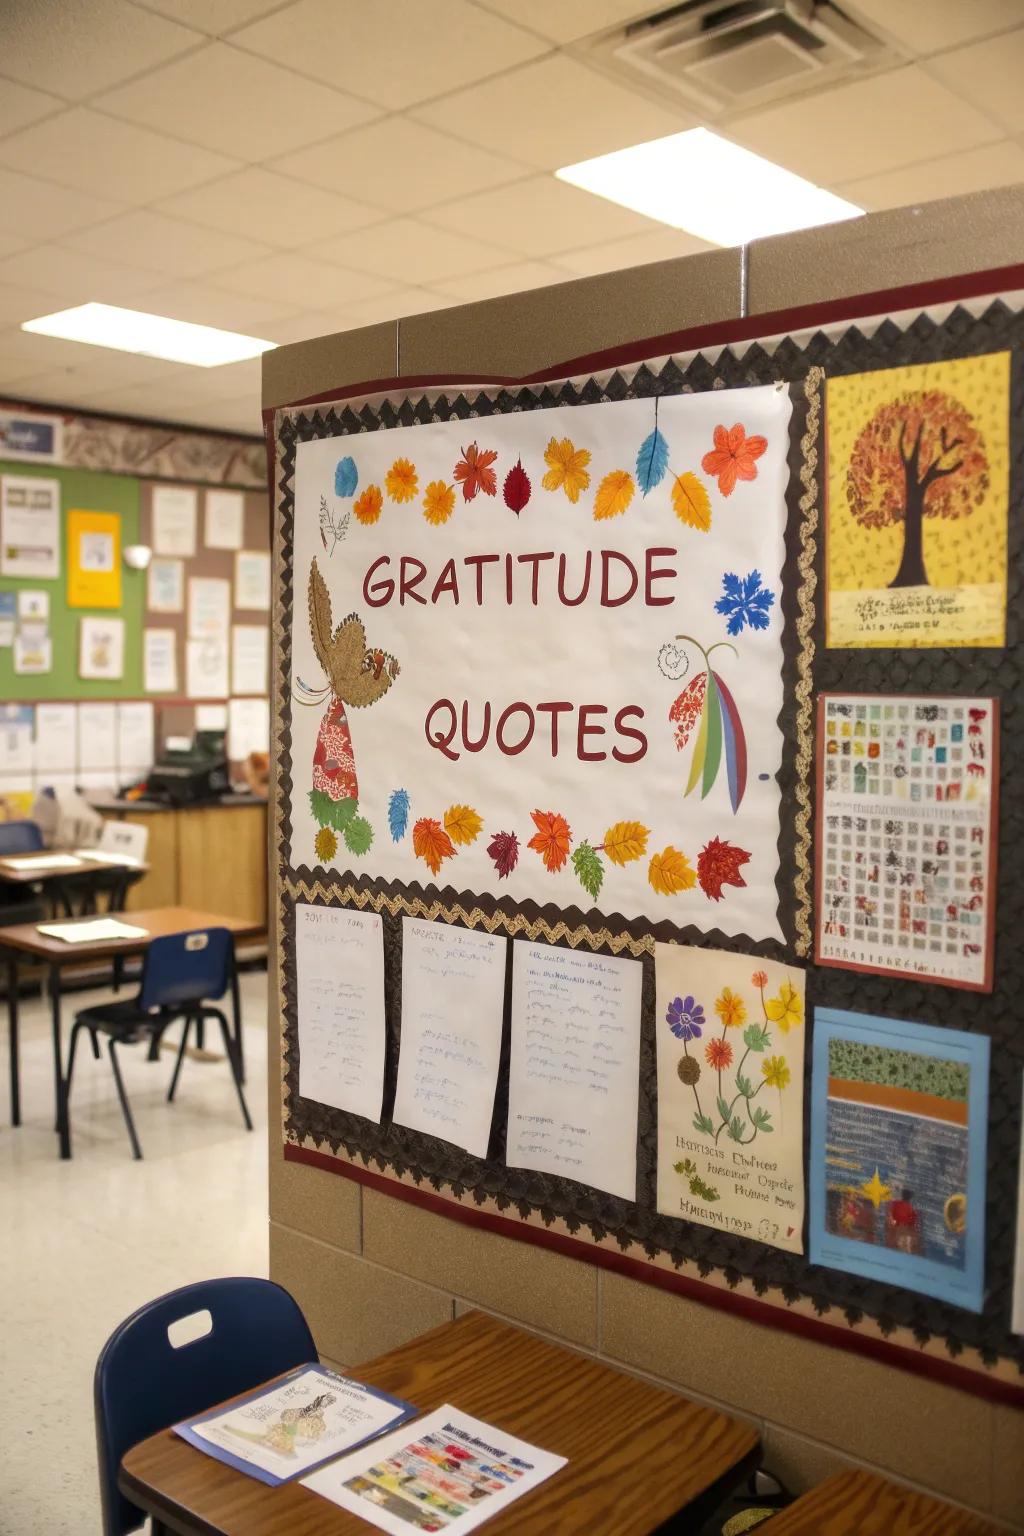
(800, 1464)
(314, 1201)
(525, 332)
(329, 362)
(355, 1310)
(884, 250)
(1008, 1465)
(524, 1283)
(929, 1433)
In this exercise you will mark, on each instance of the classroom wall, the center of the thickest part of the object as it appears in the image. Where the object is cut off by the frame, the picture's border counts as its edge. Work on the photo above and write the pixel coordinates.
(371, 1271)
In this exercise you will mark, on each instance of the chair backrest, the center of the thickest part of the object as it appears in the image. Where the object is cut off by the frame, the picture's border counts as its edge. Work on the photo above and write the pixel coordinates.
(187, 968)
(144, 1384)
(124, 837)
(20, 837)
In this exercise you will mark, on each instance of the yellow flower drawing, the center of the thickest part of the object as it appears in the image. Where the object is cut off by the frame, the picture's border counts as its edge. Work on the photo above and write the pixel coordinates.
(567, 468)
(438, 502)
(401, 480)
(326, 845)
(787, 1009)
(775, 1072)
(731, 1009)
(367, 505)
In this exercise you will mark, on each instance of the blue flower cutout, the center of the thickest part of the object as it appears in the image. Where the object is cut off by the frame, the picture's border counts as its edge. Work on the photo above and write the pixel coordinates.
(745, 601)
(685, 1018)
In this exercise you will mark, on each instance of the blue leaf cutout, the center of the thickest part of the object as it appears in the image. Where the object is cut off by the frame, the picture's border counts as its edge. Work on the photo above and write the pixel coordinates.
(346, 477)
(651, 461)
(398, 814)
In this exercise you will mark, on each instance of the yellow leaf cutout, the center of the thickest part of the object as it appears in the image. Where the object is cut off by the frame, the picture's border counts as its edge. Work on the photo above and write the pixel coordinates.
(626, 841)
(567, 468)
(671, 872)
(692, 502)
(614, 494)
(462, 824)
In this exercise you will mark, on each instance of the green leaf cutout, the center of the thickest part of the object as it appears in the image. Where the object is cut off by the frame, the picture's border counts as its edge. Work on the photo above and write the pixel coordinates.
(589, 869)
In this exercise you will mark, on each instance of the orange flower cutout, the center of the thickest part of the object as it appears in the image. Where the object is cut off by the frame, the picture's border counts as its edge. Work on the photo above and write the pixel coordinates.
(367, 506)
(759, 979)
(474, 471)
(402, 480)
(552, 838)
(732, 457)
(718, 1054)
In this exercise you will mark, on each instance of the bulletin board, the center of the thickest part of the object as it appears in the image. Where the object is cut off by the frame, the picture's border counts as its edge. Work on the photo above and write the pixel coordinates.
(752, 899)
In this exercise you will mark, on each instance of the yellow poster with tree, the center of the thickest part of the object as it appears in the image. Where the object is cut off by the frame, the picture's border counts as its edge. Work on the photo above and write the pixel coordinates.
(918, 478)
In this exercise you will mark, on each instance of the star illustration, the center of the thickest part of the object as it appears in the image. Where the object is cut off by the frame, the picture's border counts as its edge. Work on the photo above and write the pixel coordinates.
(875, 1190)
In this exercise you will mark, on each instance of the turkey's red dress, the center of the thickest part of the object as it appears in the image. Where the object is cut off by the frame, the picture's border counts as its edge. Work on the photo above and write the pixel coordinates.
(334, 764)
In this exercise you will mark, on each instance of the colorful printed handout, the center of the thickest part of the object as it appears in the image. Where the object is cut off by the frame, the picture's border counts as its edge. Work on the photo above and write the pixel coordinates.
(906, 841)
(898, 1135)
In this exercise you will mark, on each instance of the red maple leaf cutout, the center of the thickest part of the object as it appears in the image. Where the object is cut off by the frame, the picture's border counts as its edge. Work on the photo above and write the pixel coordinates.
(503, 848)
(475, 472)
(718, 864)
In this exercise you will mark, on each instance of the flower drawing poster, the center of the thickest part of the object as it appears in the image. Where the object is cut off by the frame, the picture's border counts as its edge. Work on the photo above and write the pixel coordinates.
(544, 656)
(918, 495)
(730, 1033)
(899, 1116)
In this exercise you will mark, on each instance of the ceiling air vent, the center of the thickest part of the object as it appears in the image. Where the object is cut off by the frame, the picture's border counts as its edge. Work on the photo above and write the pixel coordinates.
(724, 58)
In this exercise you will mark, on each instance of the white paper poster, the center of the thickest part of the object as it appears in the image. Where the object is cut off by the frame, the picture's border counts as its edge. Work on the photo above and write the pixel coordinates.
(165, 586)
(33, 652)
(339, 963)
(97, 739)
(16, 738)
(225, 519)
(206, 669)
(159, 661)
(575, 1065)
(730, 1033)
(571, 620)
(174, 520)
(252, 579)
(211, 717)
(209, 608)
(8, 617)
(29, 527)
(453, 994)
(56, 747)
(248, 727)
(249, 650)
(135, 737)
(101, 648)
(33, 606)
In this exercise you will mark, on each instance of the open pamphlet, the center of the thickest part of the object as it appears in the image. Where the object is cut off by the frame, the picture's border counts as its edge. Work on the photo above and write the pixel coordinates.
(446, 1471)
(45, 861)
(280, 1431)
(96, 932)
(102, 856)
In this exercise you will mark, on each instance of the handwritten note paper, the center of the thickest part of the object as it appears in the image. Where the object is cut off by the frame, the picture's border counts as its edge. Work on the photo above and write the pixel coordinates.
(339, 960)
(453, 992)
(575, 1065)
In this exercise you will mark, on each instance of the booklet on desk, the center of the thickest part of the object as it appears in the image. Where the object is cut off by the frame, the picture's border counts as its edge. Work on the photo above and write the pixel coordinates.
(96, 932)
(293, 1425)
(447, 1470)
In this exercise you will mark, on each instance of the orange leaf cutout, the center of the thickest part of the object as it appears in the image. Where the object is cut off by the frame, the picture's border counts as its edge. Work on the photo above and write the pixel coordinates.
(626, 841)
(671, 872)
(614, 494)
(475, 473)
(431, 843)
(692, 502)
(462, 824)
(733, 457)
(552, 840)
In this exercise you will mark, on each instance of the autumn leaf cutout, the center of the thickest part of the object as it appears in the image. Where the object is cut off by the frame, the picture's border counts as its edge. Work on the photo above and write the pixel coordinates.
(517, 488)
(567, 468)
(552, 839)
(474, 471)
(431, 843)
(462, 824)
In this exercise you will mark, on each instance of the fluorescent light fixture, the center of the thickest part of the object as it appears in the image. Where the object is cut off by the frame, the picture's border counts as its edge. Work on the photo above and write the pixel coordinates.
(131, 330)
(702, 183)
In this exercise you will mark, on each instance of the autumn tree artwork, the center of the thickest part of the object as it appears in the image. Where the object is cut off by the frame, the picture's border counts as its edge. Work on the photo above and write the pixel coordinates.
(921, 455)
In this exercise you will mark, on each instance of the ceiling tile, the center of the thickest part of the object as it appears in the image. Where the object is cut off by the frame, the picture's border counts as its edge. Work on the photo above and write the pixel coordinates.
(989, 75)
(205, 304)
(552, 113)
(613, 255)
(541, 216)
(975, 170)
(409, 252)
(18, 303)
(501, 280)
(926, 26)
(93, 153)
(393, 52)
(565, 21)
(275, 209)
(289, 276)
(237, 104)
(861, 129)
(160, 244)
(401, 165)
(215, 17)
(74, 278)
(20, 106)
(37, 210)
(77, 47)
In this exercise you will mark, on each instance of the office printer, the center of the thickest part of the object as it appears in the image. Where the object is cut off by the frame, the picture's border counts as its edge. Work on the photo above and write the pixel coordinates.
(187, 773)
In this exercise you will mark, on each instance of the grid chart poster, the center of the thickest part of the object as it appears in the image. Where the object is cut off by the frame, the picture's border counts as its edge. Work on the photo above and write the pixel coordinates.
(898, 1136)
(544, 656)
(907, 836)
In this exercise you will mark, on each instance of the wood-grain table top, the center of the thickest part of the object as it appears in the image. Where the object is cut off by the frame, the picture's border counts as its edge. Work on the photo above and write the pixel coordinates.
(636, 1453)
(157, 921)
(16, 868)
(857, 1503)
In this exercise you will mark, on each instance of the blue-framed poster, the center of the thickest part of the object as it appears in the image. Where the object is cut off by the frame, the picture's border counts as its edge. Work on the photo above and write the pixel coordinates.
(898, 1130)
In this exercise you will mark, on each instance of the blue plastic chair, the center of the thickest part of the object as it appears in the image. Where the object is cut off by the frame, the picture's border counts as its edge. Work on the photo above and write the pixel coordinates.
(182, 974)
(143, 1383)
(20, 837)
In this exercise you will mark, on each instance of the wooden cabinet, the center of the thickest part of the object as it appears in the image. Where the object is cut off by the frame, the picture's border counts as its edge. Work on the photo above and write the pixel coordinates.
(212, 857)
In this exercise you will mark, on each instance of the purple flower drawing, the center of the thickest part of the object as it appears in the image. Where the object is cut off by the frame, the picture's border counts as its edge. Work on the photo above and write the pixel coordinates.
(685, 1018)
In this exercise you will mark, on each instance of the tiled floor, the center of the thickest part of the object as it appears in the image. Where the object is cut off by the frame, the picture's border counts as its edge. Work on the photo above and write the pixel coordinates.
(84, 1243)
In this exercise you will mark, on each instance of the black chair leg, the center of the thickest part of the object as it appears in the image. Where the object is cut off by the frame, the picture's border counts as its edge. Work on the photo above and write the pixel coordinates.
(180, 1059)
(229, 1047)
(94, 1042)
(125, 1108)
(76, 1031)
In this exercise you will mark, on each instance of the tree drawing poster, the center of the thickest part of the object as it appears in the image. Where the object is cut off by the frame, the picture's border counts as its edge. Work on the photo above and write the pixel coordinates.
(918, 487)
(730, 1035)
(899, 1116)
(543, 656)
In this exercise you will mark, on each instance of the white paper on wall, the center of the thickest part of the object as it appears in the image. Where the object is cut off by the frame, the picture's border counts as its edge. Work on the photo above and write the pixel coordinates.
(135, 730)
(225, 519)
(56, 745)
(339, 964)
(206, 669)
(248, 727)
(249, 650)
(174, 520)
(159, 661)
(97, 739)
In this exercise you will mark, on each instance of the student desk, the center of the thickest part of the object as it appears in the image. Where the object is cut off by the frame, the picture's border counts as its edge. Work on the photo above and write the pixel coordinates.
(859, 1503)
(24, 941)
(20, 869)
(637, 1454)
